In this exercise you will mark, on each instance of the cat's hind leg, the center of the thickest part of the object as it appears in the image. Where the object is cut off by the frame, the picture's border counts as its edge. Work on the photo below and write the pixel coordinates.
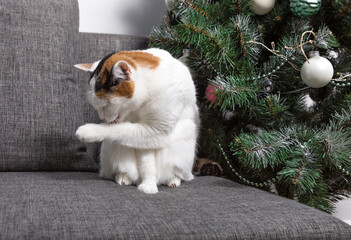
(125, 165)
(118, 163)
(174, 182)
(175, 162)
(123, 179)
(182, 150)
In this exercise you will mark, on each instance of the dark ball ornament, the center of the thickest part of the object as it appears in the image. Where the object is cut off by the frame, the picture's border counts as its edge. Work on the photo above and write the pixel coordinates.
(305, 8)
(268, 86)
(319, 94)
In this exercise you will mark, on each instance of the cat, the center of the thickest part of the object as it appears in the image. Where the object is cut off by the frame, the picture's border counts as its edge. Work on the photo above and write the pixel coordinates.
(147, 100)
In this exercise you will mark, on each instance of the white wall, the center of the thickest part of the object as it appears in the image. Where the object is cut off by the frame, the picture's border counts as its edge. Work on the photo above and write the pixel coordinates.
(136, 17)
(343, 210)
(131, 17)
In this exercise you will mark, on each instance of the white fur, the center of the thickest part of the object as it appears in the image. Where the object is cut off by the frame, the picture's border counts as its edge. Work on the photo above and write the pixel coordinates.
(154, 142)
(308, 103)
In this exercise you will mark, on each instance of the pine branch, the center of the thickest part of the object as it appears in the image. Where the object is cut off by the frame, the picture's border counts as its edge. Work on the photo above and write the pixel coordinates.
(343, 11)
(301, 169)
(164, 37)
(318, 198)
(270, 131)
(269, 149)
(270, 112)
(343, 119)
(201, 33)
(234, 92)
(245, 33)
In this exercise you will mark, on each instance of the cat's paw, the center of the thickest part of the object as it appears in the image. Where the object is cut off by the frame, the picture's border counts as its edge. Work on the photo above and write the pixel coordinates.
(123, 179)
(148, 188)
(175, 182)
(89, 133)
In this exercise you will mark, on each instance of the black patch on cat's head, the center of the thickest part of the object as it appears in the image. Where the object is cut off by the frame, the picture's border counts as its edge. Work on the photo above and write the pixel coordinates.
(97, 72)
(99, 66)
(106, 85)
(105, 79)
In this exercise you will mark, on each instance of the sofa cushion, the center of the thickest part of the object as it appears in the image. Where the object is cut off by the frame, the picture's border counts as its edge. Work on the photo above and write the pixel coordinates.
(42, 96)
(39, 104)
(80, 205)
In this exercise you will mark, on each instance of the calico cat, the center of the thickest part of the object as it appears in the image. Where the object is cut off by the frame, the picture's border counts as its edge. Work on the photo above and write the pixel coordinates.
(147, 100)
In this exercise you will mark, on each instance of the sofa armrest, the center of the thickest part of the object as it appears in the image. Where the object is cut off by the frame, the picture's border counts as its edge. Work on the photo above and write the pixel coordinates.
(94, 46)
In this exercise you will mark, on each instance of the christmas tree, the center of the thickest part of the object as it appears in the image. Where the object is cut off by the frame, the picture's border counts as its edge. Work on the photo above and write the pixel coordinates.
(273, 81)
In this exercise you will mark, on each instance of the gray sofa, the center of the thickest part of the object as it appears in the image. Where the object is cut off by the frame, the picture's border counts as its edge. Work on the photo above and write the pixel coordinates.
(49, 186)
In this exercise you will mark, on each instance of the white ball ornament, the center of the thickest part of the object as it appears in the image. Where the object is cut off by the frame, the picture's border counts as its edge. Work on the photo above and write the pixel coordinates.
(262, 7)
(170, 4)
(318, 72)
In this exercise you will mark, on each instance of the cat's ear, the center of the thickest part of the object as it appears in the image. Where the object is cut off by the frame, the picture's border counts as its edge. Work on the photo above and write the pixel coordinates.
(87, 67)
(121, 70)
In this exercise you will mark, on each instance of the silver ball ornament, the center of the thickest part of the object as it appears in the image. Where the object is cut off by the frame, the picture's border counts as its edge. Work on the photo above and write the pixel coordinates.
(318, 72)
(262, 7)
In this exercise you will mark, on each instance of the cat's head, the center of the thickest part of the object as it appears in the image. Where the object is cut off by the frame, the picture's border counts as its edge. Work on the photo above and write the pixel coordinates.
(112, 87)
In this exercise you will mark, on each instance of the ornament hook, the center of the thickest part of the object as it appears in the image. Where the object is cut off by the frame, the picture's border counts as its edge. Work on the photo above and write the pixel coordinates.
(304, 43)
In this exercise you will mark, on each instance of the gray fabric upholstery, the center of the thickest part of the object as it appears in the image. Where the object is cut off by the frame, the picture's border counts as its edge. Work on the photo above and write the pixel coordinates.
(42, 97)
(95, 46)
(80, 205)
(39, 107)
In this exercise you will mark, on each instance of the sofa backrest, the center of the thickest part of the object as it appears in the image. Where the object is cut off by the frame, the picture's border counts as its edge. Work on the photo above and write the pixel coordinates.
(42, 98)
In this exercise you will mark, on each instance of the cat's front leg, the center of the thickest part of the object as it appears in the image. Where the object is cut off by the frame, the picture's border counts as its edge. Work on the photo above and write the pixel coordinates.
(91, 132)
(147, 169)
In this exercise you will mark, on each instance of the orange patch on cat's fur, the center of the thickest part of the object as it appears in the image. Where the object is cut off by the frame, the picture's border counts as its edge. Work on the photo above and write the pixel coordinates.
(125, 89)
(103, 94)
(133, 58)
